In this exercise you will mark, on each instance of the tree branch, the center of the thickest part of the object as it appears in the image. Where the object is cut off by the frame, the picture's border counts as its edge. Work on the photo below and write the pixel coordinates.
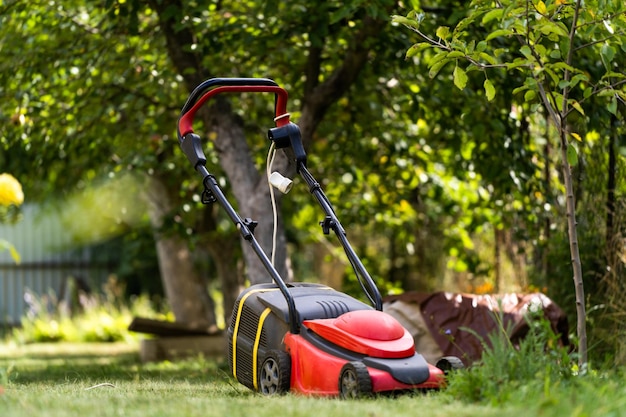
(178, 38)
(570, 58)
(603, 40)
(312, 70)
(321, 96)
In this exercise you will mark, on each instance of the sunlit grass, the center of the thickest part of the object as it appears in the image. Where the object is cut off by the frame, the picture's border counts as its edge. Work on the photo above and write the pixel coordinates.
(96, 379)
(108, 380)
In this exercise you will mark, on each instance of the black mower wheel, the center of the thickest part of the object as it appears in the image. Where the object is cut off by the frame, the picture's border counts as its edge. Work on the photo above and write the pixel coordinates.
(275, 373)
(449, 364)
(354, 381)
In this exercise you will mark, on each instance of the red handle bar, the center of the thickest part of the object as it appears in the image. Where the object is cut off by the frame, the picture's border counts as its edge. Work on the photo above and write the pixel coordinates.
(282, 117)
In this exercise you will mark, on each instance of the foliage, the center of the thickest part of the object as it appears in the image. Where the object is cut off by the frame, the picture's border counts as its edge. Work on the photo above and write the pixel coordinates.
(545, 37)
(504, 369)
(556, 46)
(86, 318)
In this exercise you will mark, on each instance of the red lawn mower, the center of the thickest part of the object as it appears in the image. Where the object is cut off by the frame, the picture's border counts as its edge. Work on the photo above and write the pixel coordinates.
(304, 337)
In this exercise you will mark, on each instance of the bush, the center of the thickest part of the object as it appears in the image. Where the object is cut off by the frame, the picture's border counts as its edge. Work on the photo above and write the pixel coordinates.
(94, 318)
(505, 370)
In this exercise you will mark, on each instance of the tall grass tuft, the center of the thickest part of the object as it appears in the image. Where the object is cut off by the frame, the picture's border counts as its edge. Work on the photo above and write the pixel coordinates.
(505, 370)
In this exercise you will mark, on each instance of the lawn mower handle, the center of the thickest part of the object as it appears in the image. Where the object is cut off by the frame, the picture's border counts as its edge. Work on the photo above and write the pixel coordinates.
(192, 147)
(209, 88)
(284, 135)
(284, 131)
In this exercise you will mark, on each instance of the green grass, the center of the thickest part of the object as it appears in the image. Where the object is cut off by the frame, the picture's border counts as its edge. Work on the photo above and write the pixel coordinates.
(80, 380)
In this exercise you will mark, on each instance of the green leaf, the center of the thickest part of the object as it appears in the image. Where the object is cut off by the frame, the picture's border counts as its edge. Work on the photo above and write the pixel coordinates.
(555, 54)
(541, 7)
(558, 100)
(493, 14)
(417, 48)
(613, 74)
(526, 51)
(437, 58)
(491, 60)
(549, 69)
(563, 65)
(577, 106)
(471, 46)
(519, 89)
(498, 33)
(405, 21)
(460, 77)
(435, 68)
(14, 254)
(463, 24)
(540, 50)
(549, 27)
(530, 95)
(612, 107)
(5, 245)
(578, 78)
(607, 53)
(518, 62)
(443, 32)
(455, 54)
(572, 155)
(490, 90)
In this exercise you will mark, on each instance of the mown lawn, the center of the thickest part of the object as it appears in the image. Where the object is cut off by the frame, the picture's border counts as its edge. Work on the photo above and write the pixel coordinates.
(80, 380)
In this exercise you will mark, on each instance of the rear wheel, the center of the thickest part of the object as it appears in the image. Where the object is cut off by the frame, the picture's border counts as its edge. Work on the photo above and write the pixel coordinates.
(275, 373)
(354, 381)
(449, 364)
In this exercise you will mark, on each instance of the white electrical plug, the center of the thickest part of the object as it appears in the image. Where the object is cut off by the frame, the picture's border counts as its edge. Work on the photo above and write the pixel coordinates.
(281, 183)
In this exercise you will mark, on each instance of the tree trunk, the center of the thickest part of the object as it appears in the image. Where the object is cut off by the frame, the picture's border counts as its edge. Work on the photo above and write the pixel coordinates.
(497, 264)
(185, 288)
(251, 190)
(575, 253)
(547, 226)
(229, 271)
(223, 249)
(610, 197)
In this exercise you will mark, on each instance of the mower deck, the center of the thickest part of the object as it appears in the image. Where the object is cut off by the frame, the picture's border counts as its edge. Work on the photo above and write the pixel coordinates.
(338, 339)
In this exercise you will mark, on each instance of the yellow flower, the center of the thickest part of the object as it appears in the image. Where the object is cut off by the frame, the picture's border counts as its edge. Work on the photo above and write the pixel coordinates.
(10, 191)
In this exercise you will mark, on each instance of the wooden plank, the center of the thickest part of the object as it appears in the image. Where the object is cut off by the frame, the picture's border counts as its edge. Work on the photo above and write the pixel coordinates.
(165, 328)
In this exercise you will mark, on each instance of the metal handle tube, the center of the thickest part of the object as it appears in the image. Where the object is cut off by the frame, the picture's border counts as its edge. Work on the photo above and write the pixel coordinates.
(246, 233)
(369, 286)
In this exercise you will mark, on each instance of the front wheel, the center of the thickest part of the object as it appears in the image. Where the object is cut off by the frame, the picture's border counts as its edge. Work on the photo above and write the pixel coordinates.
(275, 373)
(354, 380)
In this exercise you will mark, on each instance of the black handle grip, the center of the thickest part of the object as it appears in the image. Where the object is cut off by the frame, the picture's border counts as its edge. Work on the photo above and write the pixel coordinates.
(218, 82)
(192, 147)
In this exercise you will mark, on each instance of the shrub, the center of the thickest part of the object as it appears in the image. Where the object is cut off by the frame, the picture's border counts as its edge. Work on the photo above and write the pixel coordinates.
(96, 318)
(506, 370)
